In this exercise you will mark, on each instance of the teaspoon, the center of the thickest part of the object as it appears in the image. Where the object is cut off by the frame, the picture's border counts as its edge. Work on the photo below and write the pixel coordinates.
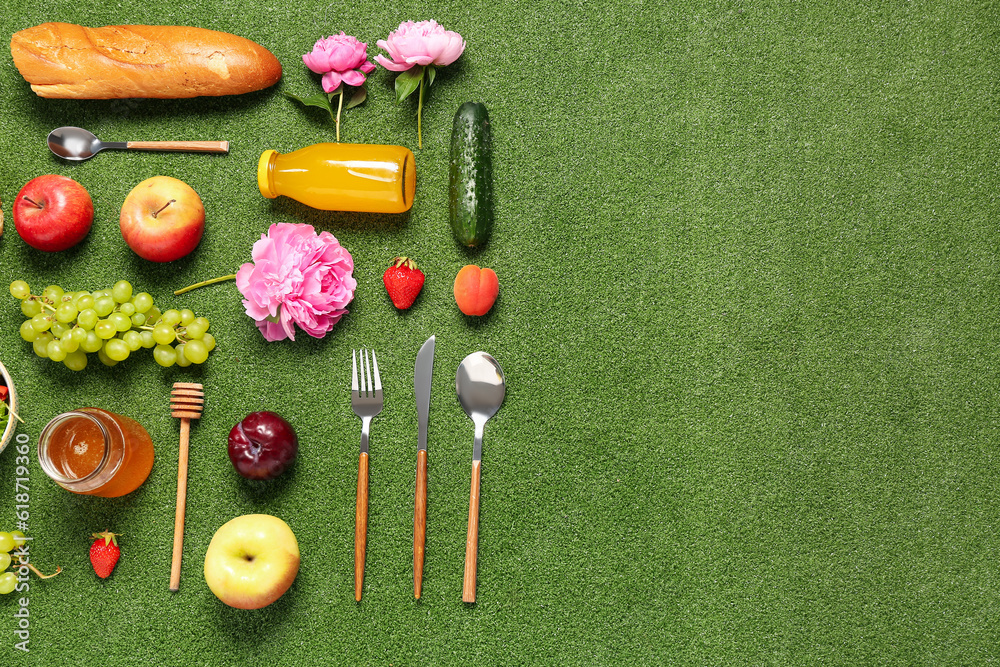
(481, 388)
(76, 143)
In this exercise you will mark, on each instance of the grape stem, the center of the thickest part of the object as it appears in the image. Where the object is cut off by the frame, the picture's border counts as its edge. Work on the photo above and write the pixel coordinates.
(180, 332)
(37, 571)
(42, 300)
(204, 283)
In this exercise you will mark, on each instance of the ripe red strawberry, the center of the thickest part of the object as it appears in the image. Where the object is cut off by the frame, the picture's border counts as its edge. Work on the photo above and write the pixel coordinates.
(104, 554)
(403, 281)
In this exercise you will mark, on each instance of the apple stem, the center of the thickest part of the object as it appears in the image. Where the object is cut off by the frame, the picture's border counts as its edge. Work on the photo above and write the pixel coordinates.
(155, 213)
(33, 202)
(203, 283)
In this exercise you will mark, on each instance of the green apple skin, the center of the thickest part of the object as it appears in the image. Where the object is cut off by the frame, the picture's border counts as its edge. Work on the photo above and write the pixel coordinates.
(251, 561)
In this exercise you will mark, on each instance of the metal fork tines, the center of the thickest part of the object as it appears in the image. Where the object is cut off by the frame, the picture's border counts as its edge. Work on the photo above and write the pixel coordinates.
(366, 395)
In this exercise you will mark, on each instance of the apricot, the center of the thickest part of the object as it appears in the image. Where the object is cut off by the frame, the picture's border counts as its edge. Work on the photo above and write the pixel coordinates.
(476, 289)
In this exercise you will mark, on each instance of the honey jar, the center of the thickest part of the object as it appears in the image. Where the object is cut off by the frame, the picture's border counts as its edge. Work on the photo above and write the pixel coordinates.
(95, 452)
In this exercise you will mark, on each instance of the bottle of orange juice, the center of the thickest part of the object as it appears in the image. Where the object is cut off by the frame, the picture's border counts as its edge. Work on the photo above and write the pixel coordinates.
(342, 177)
(95, 452)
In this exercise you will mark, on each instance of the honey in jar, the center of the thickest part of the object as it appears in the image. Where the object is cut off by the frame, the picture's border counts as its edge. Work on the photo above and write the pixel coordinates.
(95, 452)
(342, 177)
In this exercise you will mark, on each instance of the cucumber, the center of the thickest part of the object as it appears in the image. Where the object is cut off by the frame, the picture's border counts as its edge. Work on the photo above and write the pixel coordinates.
(470, 175)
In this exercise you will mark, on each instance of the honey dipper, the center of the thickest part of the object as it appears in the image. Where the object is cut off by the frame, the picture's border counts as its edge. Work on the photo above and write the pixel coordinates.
(186, 403)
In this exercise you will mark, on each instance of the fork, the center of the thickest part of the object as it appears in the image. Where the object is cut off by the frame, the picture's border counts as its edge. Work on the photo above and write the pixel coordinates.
(366, 401)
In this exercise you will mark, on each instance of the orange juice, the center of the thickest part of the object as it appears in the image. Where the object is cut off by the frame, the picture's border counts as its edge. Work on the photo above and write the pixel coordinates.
(342, 177)
(96, 452)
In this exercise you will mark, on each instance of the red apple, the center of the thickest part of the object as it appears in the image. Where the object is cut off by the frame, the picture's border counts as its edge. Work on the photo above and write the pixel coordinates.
(53, 213)
(162, 219)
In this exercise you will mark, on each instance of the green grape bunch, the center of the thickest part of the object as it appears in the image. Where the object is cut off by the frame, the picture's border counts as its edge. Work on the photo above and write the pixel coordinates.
(67, 326)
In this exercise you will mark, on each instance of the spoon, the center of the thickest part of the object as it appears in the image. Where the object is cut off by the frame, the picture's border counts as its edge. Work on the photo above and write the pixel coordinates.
(481, 389)
(76, 143)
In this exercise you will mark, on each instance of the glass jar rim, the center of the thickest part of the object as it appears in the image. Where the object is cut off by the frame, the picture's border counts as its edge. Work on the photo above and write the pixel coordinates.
(45, 461)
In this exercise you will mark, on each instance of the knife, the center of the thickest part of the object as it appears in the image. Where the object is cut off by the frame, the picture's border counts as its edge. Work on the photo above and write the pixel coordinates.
(422, 390)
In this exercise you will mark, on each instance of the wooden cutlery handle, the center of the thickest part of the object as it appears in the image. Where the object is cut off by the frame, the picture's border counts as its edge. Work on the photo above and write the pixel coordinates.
(361, 525)
(472, 539)
(182, 480)
(419, 522)
(196, 146)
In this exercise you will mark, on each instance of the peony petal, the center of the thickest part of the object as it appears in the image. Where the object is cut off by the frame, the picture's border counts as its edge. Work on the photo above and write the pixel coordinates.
(367, 67)
(286, 323)
(331, 81)
(453, 48)
(273, 332)
(317, 62)
(411, 46)
(243, 278)
(390, 47)
(420, 60)
(390, 65)
(434, 45)
(353, 77)
(342, 57)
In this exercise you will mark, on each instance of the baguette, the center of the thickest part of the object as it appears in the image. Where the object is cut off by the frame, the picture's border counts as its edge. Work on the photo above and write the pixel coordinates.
(67, 61)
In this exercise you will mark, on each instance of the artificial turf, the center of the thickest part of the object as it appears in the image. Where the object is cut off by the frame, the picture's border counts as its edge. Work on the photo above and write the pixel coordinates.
(748, 318)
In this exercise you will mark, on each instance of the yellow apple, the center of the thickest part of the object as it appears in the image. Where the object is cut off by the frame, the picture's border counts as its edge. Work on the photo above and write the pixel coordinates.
(251, 561)
(162, 219)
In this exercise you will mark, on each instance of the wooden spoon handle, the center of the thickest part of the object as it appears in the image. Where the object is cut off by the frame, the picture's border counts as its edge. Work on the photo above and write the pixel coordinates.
(361, 525)
(419, 522)
(472, 539)
(195, 146)
(182, 475)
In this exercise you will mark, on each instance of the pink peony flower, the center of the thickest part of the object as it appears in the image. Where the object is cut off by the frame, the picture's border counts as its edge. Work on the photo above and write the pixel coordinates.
(339, 58)
(423, 43)
(296, 277)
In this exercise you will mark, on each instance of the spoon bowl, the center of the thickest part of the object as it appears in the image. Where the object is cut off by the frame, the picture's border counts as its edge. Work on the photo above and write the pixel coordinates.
(76, 143)
(481, 388)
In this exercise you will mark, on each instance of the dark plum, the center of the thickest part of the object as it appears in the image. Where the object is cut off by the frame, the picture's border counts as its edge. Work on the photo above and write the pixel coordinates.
(262, 446)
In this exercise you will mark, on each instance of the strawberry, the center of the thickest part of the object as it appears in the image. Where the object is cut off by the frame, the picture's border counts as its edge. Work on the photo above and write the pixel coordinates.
(403, 281)
(104, 553)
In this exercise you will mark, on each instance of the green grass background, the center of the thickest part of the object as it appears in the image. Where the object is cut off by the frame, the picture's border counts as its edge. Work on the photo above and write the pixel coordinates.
(748, 317)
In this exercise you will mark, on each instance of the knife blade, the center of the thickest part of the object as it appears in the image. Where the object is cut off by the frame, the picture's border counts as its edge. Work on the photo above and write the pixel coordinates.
(422, 391)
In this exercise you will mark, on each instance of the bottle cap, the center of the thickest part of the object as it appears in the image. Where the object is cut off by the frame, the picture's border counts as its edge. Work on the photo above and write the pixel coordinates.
(264, 172)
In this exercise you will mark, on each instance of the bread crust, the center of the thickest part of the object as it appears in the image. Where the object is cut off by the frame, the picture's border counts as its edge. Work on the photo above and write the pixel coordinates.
(68, 61)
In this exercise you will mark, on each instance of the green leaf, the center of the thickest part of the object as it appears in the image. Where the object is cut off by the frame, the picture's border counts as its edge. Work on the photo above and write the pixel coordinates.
(408, 81)
(321, 100)
(430, 75)
(359, 96)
